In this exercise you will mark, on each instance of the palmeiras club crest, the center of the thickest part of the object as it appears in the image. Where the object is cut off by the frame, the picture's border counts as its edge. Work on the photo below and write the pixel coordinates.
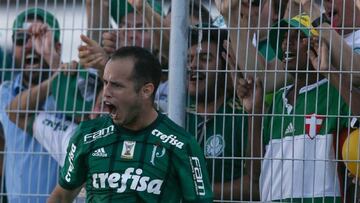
(215, 145)
(313, 124)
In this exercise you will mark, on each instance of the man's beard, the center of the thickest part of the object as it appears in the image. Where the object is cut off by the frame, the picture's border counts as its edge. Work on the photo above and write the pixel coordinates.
(36, 76)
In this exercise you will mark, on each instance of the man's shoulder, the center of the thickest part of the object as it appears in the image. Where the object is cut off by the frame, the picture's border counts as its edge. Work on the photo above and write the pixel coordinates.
(5, 94)
(171, 133)
(5, 86)
(93, 130)
(171, 126)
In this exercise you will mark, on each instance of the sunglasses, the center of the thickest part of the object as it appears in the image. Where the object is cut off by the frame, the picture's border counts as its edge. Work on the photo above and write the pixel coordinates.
(21, 38)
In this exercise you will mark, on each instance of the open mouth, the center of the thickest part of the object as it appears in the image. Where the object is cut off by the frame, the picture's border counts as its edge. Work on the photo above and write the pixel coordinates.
(32, 60)
(197, 76)
(288, 56)
(109, 107)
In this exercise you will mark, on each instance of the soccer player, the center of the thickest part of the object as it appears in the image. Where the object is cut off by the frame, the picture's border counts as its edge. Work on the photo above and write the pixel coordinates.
(301, 130)
(135, 154)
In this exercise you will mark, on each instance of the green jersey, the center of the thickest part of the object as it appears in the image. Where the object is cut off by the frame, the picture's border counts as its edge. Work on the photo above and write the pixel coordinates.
(161, 163)
(222, 137)
(299, 156)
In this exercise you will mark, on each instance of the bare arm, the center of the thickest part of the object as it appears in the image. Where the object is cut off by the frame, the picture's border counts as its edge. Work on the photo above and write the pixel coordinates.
(342, 83)
(29, 99)
(247, 56)
(161, 37)
(342, 54)
(91, 54)
(97, 12)
(319, 57)
(61, 195)
(253, 145)
(250, 93)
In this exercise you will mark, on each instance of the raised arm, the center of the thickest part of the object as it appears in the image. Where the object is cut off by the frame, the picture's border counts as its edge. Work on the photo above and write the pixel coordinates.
(250, 93)
(161, 37)
(91, 54)
(28, 100)
(97, 12)
(242, 19)
(341, 81)
(342, 54)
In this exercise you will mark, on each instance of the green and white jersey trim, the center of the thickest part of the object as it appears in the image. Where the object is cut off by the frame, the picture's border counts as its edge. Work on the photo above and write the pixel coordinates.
(289, 107)
(299, 167)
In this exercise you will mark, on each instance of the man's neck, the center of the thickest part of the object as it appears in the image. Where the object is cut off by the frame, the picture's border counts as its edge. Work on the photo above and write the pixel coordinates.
(144, 119)
(210, 107)
(302, 80)
(308, 79)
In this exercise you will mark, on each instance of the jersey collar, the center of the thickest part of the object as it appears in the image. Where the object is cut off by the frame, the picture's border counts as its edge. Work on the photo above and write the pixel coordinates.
(304, 89)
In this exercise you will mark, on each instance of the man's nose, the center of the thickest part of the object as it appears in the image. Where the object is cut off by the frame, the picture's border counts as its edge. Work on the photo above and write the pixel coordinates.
(130, 37)
(106, 91)
(192, 64)
(285, 43)
(29, 44)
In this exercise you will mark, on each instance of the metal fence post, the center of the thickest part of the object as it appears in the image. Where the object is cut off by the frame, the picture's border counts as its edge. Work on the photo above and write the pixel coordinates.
(177, 60)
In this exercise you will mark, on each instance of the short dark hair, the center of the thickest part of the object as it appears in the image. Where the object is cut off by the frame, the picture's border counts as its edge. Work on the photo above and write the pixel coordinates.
(210, 34)
(147, 68)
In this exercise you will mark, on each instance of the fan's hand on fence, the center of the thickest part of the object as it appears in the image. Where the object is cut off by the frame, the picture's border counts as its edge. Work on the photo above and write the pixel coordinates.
(231, 7)
(43, 43)
(319, 55)
(137, 4)
(250, 93)
(92, 54)
(109, 42)
(69, 68)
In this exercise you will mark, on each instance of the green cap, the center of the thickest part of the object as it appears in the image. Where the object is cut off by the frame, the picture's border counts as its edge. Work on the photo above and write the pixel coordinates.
(276, 35)
(75, 93)
(119, 8)
(45, 16)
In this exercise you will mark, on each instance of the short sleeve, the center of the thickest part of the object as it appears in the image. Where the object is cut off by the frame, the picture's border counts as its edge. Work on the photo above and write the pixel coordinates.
(73, 174)
(54, 139)
(193, 176)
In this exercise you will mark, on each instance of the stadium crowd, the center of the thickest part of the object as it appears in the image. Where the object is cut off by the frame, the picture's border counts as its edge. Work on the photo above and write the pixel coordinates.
(273, 93)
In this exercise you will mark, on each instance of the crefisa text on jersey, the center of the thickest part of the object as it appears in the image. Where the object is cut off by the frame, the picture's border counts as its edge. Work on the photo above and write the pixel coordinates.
(171, 139)
(71, 164)
(116, 180)
(88, 138)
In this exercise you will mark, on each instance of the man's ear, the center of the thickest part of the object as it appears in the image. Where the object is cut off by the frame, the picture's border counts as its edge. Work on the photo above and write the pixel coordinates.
(147, 90)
